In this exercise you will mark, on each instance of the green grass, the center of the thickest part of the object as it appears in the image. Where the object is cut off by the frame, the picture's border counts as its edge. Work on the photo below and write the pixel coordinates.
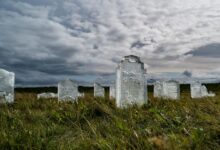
(95, 123)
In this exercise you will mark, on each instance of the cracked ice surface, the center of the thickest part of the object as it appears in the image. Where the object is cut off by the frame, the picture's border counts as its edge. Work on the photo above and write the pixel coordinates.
(7, 81)
(67, 91)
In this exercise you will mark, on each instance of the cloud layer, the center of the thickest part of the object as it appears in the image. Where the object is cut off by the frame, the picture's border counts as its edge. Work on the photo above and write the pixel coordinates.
(44, 41)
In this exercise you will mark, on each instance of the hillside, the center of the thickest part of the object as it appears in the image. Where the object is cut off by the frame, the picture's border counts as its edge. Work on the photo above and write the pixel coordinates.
(95, 123)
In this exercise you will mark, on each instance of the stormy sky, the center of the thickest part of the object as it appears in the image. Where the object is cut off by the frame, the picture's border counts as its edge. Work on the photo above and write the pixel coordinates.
(44, 41)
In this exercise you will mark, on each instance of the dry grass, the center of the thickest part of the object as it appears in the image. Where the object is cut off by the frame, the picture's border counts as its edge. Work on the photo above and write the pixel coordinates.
(95, 123)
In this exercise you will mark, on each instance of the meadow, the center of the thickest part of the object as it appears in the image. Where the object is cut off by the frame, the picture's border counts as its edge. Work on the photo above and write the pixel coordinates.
(95, 123)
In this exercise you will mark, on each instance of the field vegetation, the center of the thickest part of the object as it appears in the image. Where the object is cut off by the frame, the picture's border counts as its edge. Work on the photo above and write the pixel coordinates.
(95, 123)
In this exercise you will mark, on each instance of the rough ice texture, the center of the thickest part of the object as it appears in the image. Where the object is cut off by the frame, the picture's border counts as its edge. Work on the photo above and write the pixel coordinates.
(171, 90)
(47, 95)
(99, 91)
(130, 82)
(7, 82)
(68, 91)
(196, 90)
(158, 89)
(112, 91)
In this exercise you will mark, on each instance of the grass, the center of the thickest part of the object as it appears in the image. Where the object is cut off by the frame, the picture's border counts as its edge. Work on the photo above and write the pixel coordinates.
(95, 123)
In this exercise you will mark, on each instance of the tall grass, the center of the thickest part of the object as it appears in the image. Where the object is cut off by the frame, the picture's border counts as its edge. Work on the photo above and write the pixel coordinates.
(95, 123)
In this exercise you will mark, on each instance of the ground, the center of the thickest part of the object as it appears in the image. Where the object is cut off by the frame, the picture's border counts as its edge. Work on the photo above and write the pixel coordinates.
(95, 123)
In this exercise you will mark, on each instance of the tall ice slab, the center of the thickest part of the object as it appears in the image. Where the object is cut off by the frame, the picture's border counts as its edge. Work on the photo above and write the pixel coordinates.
(130, 82)
(67, 90)
(7, 82)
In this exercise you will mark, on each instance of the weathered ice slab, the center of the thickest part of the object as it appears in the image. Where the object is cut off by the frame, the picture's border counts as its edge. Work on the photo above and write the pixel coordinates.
(67, 90)
(196, 91)
(158, 89)
(112, 91)
(99, 91)
(171, 90)
(130, 82)
(47, 95)
(7, 82)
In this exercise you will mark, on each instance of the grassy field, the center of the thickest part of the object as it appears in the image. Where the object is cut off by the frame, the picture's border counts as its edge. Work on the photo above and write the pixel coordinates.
(95, 123)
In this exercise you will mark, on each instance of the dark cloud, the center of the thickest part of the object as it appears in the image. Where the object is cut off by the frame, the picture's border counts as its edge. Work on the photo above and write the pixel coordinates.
(210, 50)
(137, 44)
(187, 73)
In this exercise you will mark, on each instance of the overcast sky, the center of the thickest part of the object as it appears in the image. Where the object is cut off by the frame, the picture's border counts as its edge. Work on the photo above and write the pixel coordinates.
(44, 41)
